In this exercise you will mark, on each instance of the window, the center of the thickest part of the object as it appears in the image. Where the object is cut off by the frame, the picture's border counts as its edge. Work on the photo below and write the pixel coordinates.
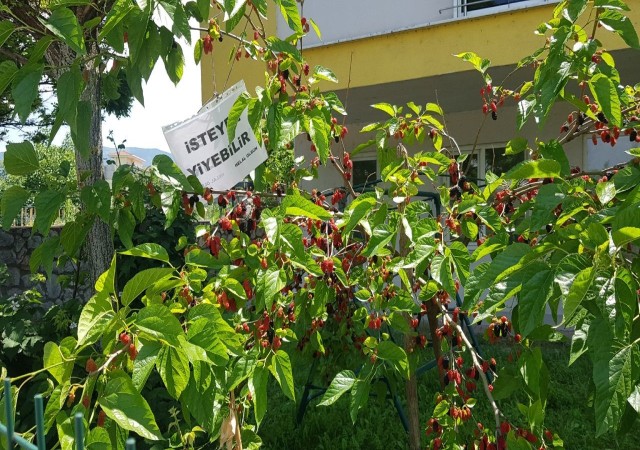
(364, 171)
(475, 5)
(487, 159)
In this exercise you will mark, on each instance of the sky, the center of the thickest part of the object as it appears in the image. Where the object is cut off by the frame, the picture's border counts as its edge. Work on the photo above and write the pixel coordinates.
(165, 104)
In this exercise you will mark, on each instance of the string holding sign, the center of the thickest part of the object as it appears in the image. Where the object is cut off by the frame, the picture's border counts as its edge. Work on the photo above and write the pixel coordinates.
(200, 145)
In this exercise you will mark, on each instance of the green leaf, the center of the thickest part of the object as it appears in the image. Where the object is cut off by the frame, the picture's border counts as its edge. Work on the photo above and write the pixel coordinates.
(578, 291)
(58, 3)
(8, 71)
(621, 25)
(391, 352)
(380, 237)
(532, 300)
(554, 150)
(150, 251)
(534, 374)
(540, 168)
(357, 210)
(6, 30)
(94, 318)
(144, 364)
(73, 234)
(69, 88)
(516, 442)
(316, 28)
(319, 133)
(386, 107)
(97, 199)
(235, 288)
(178, 16)
(279, 46)
(123, 403)
(141, 281)
(297, 205)
(166, 166)
(258, 383)
(504, 264)
(126, 226)
(626, 226)
(359, 397)
(98, 439)
(106, 281)
(606, 192)
(613, 381)
(65, 431)
(525, 108)
(174, 64)
(270, 284)
(13, 199)
(197, 55)
(515, 146)
(606, 95)
(480, 64)
(284, 374)
(441, 272)
(322, 73)
(200, 258)
(114, 18)
(173, 367)
(634, 399)
(54, 405)
(241, 370)
(157, 322)
(236, 111)
(48, 204)
(63, 23)
(58, 361)
(341, 383)
(289, 9)
(44, 255)
(21, 159)
(204, 332)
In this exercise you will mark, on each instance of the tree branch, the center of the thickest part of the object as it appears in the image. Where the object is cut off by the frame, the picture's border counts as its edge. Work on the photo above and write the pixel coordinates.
(17, 58)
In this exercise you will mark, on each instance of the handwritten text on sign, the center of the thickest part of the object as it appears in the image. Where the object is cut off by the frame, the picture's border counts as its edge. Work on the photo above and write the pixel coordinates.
(201, 147)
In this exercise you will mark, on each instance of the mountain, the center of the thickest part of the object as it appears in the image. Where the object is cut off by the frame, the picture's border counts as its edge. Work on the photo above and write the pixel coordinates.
(145, 153)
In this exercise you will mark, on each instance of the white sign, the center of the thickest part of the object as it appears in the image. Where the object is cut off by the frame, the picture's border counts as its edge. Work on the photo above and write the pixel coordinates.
(201, 147)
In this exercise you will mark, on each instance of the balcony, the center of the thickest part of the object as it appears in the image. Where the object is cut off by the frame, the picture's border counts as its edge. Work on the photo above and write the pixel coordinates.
(341, 21)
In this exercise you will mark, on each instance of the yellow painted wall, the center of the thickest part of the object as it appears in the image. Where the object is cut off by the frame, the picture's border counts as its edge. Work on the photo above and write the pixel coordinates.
(503, 38)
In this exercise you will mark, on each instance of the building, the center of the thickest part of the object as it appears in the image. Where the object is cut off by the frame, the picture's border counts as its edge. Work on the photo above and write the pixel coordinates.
(397, 52)
(116, 159)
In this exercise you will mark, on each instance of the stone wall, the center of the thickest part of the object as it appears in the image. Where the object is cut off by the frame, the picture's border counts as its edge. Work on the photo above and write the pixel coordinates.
(16, 247)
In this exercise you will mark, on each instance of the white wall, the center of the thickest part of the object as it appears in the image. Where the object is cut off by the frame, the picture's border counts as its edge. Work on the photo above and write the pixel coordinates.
(343, 20)
(601, 156)
(346, 20)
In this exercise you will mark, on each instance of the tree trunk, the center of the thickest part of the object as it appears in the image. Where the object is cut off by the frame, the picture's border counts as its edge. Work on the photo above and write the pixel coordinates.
(413, 412)
(98, 247)
(411, 386)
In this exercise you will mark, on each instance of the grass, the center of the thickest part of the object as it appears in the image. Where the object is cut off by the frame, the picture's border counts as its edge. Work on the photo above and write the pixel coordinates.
(379, 427)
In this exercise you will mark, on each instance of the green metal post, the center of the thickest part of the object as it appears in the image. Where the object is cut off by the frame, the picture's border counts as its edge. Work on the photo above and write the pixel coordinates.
(8, 410)
(79, 429)
(131, 444)
(39, 422)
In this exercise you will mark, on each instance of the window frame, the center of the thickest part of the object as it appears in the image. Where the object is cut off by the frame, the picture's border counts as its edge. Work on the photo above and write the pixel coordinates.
(366, 156)
(481, 152)
(460, 11)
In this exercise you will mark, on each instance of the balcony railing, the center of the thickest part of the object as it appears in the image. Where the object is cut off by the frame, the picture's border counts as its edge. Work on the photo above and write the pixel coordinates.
(463, 7)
